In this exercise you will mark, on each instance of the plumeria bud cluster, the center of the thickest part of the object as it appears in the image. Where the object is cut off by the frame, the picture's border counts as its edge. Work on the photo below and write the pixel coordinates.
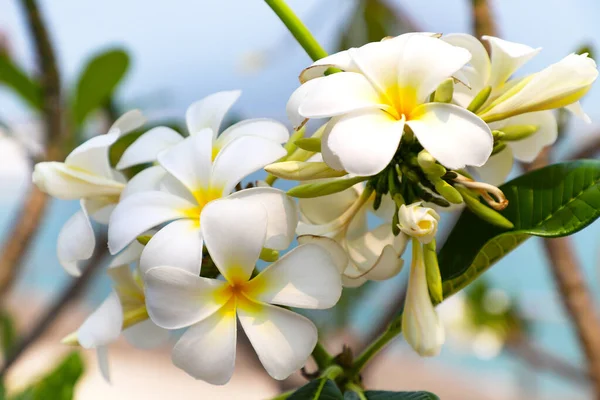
(416, 124)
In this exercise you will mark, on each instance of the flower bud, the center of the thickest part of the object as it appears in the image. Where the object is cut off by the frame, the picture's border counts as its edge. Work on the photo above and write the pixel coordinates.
(480, 99)
(309, 144)
(484, 212)
(518, 132)
(302, 171)
(418, 222)
(444, 92)
(447, 191)
(269, 255)
(432, 269)
(324, 188)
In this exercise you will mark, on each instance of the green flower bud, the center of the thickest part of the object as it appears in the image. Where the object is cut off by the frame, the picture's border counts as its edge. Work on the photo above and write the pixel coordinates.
(498, 147)
(144, 239)
(324, 188)
(484, 212)
(432, 272)
(498, 135)
(309, 144)
(447, 191)
(302, 171)
(518, 132)
(269, 255)
(480, 99)
(444, 92)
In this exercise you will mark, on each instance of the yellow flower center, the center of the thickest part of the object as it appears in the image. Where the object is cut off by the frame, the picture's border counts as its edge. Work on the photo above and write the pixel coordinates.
(402, 100)
(241, 292)
(203, 196)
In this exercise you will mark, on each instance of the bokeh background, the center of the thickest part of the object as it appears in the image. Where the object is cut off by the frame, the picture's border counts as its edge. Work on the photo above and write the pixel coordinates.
(508, 336)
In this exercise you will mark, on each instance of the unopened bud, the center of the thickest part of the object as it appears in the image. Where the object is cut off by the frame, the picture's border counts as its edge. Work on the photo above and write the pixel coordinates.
(144, 239)
(485, 213)
(498, 135)
(519, 132)
(302, 171)
(309, 144)
(430, 166)
(432, 271)
(325, 188)
(480, 99)
(444, 92)
(447, 191)
(498, 147)
(269, 255)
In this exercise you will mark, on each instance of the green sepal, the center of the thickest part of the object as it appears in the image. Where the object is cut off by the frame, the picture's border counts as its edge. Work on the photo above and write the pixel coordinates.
(432, 271)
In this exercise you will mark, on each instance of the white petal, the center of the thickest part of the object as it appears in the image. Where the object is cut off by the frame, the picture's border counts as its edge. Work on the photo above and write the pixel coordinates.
(179, 245)
(420, 324)
(100, 208)
(507, 57)
(527, 149)
(234, 233)
(146, 335)
(364, 142)
(130, 254)
(140, 212)
(261, 127)
(127, 122)
(334, 250)
(424, 64)
(210, 111)
(339, 94)
(76, 242)
(190, 160)
(103, 326)
(146, 148)
(207, 350)
(283, 340)
(144, 181)
(480, 59)
(340, 60)
(577, 110)
(242, 157)
(92, 155)
(497, 168)
(127, 288)
(281, 210)
(103, 365)
(296, 99)
(176, 298)
(67, 183)
(306, 277)
(454, 136)
(324, 209)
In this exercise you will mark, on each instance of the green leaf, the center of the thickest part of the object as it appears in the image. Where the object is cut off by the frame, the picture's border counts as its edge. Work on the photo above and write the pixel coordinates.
(554, 201)
(319, 389)
(8, 332)
(58, 384)
(383, 395)
(97, 82)
(16, 79)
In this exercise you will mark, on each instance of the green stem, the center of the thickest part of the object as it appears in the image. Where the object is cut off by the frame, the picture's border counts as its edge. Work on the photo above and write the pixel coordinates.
(297, 29)
(321, 356)
(390, 333)
(357, 389)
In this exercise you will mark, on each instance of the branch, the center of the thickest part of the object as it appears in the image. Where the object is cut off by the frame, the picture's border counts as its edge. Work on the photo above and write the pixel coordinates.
(483, 20)
(70, 293)
(29, 217)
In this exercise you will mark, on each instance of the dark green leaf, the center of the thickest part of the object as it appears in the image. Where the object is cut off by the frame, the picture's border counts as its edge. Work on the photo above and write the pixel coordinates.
(320, 389)
(383, 395)
(554, 201)
(351, 395)
(16, 79)
(58, 384)
(97, 82)
(8, 333)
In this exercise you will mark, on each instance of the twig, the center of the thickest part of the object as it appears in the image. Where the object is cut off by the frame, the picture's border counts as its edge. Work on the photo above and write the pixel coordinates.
(29, 218)
(66, 297)
(483, 20)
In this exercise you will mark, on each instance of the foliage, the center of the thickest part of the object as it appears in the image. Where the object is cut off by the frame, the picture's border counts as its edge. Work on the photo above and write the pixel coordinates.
(16, 79)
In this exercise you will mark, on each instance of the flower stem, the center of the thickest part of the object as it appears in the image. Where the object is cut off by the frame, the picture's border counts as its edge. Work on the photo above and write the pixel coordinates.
(297, 29)
(390, 333)
(321, 356)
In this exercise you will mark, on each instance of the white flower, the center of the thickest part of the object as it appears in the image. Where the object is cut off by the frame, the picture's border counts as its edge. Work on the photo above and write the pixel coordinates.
(206, 113)
(559, 85)
(235, 231)
(191, 180)
(383, 87)
(124, 311)
(418, 222)
(87, 175)
(420, 324)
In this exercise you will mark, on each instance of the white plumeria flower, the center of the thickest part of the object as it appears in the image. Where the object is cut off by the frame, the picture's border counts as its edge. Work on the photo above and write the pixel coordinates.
(421, 326)
(123, 311)
(189, 179)
(559, 85)
(235, 231)
(418, 222)
(87, 175)
(383, 87)
(206, 113)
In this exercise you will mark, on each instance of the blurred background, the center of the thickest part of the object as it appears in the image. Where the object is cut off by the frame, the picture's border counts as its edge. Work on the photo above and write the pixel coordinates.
(508, 335)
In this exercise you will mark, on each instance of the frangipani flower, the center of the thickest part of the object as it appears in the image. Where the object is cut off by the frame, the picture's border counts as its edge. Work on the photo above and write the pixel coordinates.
(206, 113)
(420, 324)
(123, 311)
(559, 85)
(383, 87)
(192, 181)
(86, 174)
(235, 231)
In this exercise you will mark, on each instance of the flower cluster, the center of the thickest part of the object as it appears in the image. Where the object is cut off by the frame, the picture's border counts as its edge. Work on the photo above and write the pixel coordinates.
(416, 123)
